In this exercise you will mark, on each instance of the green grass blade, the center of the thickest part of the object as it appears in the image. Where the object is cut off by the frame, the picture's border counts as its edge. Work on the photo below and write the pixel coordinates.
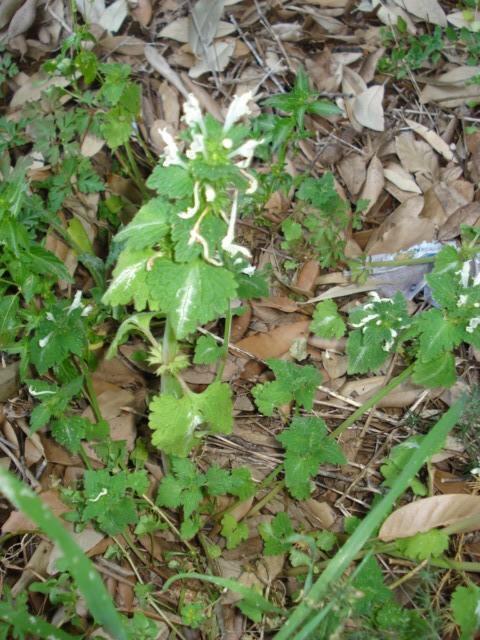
(88, 580)
(357, 540)
(30, 624)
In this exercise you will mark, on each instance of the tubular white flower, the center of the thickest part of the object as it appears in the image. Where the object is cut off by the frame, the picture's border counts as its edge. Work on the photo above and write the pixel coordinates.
(253, 186)
(473, 324)
(464, 274)
(171, 153)
(227, 243)
(77, 302)
(197, 146)
(227, 143)
(191, 211)
(44, 341)
(193, 113)
(238, 108)
(210, 193)
(462, 300)
(476, 280)
(246, 150)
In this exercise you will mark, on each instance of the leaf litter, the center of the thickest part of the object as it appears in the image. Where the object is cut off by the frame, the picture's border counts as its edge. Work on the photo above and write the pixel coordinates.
(402, 145)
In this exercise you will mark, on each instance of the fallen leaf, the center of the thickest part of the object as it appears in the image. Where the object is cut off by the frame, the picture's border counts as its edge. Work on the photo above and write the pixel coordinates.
(276, 342)
(428, 513)
(401, 178)
(374, 183)
(428, 10)
(433, 139)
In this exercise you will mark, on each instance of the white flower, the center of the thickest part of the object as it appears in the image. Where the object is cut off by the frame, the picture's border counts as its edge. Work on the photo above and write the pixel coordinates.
(464, 274)
(227, 243)
(77, 302)
(462, 300)
(193, 113)
(476, 280)
(238, 108)
(210, 193)
(364, 321)
(250, 270)
(191, 211)
(44, 341)
(473, 324)
(227, 143)
(171, 152)
(197, 146)
(246, 150)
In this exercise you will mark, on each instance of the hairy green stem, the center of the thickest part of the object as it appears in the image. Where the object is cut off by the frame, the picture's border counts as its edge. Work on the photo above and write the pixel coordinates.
(371, 402)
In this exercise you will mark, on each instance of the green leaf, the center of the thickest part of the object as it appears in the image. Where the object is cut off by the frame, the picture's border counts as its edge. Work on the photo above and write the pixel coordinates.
(207, 350)
(130, 281)
(292, 230)
(9, 323)
(438, 333)
(150, 225)
(363, 357)
(191, 293)
(60, 333)
(174, 421)
(399, 456)
(293, 382)
(70, 431)
(421, 546)
(136, 322)
(321, 193)
(275, 534)
(327, 322)
(369, 581)
(233, 531)
(172, 181)
(324, 108)
(465, 605)
(306, 447)
(117, 127)
(438, 372)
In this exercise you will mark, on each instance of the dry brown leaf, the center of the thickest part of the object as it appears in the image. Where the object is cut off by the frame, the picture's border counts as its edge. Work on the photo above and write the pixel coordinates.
(9, 380)
(335, 364)
(353, 171)
(417, 156)
(402, 229)
(433, 139)
(400, 178)
(446, 482)
(126, 45)
(18, 521)
(450, 90)
(428, 10)
(320, 514)
(217, 57)
(276, 342)
(367, 108)
(308, 275)
(7, 10)
(452, 448)
(22, 20)
(374, 183)
(469, 214)
(442, 200)
(428, 513)
(142, 12)
(240, 325)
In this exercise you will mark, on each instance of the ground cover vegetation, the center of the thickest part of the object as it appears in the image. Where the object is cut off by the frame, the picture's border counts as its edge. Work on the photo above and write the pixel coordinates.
(239, 320)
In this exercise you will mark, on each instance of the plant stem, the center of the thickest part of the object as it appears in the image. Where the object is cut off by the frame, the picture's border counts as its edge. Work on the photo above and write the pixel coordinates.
(226, 341)
(373, 264)
(371, 402)
(134, 166)
(92, 397)
(261, 503)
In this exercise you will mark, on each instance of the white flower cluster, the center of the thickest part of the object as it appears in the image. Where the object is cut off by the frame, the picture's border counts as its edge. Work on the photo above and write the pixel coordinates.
(194, 119)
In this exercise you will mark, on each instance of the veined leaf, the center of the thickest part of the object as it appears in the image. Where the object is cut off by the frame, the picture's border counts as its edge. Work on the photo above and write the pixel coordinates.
(148, 227)
(192, 293)
(175, 420)
(327, 322)
(130, 280)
